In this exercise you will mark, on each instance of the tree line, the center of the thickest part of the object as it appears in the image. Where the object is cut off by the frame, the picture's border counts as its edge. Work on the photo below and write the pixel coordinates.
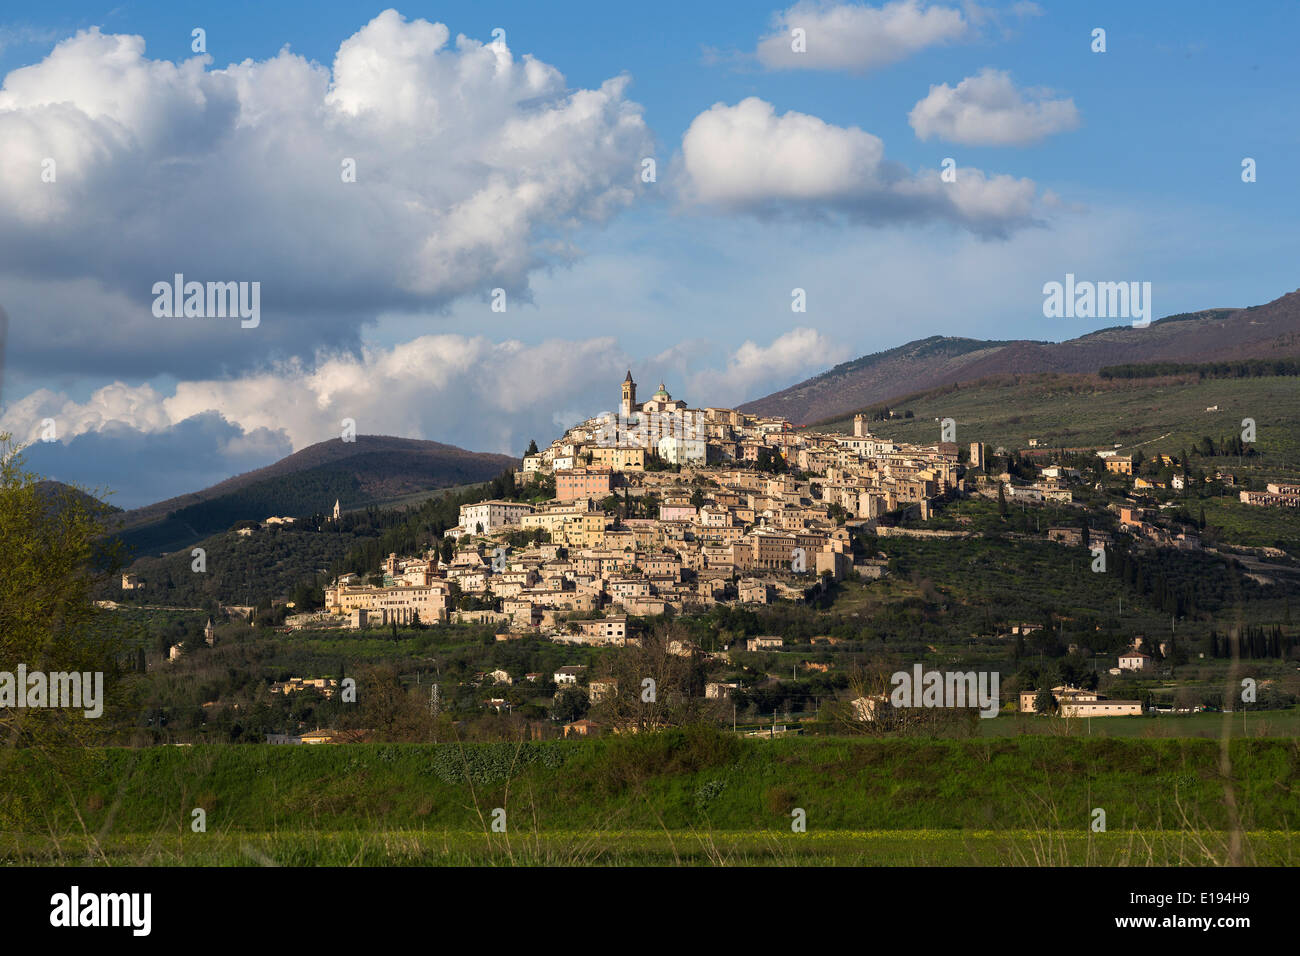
(1244, 368)
(1254, 641)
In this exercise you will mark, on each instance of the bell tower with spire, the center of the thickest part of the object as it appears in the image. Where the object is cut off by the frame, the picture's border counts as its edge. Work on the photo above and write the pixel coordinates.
(628, 405)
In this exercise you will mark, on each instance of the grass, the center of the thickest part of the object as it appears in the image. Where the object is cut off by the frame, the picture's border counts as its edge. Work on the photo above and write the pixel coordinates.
(1206, 726)
(413, 499)
(1253, 526)
(694, 796)
(699, 847)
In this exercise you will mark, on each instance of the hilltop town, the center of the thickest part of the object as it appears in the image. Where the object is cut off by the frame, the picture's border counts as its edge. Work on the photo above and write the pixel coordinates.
(768, 568)
(660, 506)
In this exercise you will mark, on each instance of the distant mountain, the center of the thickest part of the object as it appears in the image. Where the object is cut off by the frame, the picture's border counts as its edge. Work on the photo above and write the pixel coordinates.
(58, 491)
(1264, 331)
(371, 469)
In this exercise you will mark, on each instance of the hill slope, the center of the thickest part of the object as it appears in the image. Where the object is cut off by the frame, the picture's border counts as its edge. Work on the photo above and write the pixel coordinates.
(1166, 414)
(1266, 331)
(58, 491)
(371, 469)
(1163, 413)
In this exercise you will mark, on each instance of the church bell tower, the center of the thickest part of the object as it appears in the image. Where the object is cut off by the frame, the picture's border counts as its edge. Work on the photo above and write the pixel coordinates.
(629, 396)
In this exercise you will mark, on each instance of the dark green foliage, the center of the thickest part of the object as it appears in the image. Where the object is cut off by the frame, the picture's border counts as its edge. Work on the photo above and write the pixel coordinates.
(273, 562)
(771, 461)
(1246, 368)
(1181, 583)
(492, 763)
(651, 781)
(1254, 642)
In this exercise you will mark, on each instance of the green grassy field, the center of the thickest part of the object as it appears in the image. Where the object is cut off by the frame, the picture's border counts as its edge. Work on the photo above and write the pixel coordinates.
(699, 846)
(1206, 726)
(693, 796)
(413, 499)
(1253, 526)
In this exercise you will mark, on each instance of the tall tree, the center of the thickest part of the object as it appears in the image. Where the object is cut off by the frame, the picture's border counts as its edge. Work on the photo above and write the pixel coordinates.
(50, 563)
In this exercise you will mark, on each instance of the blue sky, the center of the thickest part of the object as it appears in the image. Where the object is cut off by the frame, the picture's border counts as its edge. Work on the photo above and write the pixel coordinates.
(1183, 89)
(773, 172)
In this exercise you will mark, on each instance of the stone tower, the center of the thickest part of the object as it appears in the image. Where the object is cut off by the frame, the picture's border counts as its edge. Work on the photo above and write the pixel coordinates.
(628, 405)
(860, 426)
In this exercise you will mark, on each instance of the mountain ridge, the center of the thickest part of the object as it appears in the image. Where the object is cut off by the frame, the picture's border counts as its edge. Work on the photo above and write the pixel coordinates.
(1270, 330)
(356, 473)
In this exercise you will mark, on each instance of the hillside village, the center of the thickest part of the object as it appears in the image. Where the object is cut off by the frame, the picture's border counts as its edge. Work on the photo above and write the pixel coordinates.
(659, 507)
(579, 560)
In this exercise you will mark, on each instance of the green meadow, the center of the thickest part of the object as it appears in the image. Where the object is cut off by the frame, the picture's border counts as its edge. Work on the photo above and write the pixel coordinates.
(691, 847)
(689, 797)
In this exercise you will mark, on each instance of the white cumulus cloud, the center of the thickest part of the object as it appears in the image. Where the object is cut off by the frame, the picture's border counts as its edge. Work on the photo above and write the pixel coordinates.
(748, 159)
(857, 37)
(754, 370)
(469, 391)
(472, 164)
(989, 110)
